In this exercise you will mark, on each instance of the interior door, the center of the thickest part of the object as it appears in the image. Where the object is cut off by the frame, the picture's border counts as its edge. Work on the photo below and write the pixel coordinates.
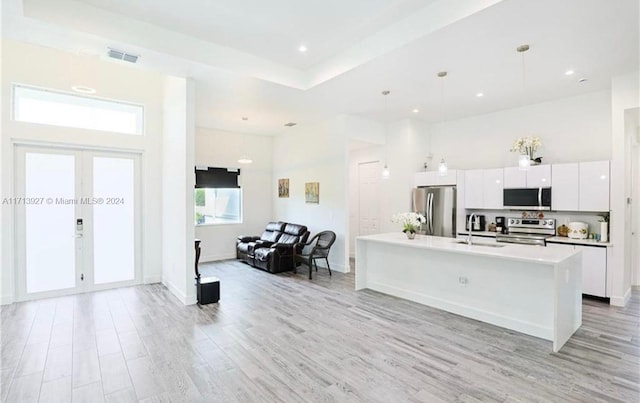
(78, 221)
(368, 198)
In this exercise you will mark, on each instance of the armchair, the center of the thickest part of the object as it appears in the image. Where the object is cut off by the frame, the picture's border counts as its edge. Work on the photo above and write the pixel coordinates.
(317, 248)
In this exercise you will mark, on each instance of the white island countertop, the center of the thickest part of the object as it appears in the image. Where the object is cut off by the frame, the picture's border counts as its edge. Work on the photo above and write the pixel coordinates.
(522, 253)
(531, 289)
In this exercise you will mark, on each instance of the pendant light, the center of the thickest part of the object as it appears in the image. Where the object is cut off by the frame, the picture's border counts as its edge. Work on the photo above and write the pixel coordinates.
(385, 170)
(443, 169)
(244, 158)
(524, 161)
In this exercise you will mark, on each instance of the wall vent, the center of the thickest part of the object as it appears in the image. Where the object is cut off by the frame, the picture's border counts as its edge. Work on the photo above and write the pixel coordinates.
(120, 55)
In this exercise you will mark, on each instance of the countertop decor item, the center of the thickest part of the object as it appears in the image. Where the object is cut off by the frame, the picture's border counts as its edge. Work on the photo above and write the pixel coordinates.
(604, 229)
(410, 222)
(578, 230)
(563, 230)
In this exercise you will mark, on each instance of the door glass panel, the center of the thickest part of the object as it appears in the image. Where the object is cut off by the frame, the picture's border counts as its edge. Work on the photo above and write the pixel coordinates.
(113, 220)
(50, 225)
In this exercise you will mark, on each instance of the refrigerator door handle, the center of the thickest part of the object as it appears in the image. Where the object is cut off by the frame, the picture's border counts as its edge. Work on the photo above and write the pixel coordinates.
(430, 213)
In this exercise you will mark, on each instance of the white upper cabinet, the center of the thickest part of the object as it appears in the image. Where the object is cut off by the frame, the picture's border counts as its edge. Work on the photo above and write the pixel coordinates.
(432, 178)
(536, 177)
(424, 178)
(514, 178)
(493, 187)
(449, 179)
(566, 187)
(483, 188)
(539, 176)
(594, 186)
(473, 188)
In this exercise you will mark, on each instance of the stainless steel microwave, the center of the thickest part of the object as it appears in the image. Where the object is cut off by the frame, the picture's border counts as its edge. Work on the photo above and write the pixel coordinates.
(527, 199)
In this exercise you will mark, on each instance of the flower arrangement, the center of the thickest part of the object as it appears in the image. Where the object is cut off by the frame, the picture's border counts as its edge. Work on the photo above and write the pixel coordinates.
(526, 145)
(410, 221)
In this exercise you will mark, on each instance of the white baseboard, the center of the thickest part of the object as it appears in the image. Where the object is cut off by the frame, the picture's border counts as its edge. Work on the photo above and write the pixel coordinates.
(152, 279)
(215, 258)
(334, 266)
(7, 299)
(182, 297)
(621, 301)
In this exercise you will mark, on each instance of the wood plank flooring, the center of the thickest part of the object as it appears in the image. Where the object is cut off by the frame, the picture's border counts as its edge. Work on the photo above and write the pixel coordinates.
(283, 338)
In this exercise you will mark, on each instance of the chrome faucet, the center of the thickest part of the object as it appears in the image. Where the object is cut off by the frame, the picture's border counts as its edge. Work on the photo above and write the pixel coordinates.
(471, 217)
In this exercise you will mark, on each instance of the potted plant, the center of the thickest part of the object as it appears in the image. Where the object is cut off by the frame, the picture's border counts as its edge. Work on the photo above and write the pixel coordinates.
(410, 222)
(528, 145)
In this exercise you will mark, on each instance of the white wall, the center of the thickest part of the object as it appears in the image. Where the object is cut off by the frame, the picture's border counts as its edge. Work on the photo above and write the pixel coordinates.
(222, 149)
(625, 96)
(405, 153)
(319, 153)
(178, 181)
(49, 68)
(571, 129)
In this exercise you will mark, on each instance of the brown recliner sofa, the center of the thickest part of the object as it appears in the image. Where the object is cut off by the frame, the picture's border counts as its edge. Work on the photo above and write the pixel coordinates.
(273, 251)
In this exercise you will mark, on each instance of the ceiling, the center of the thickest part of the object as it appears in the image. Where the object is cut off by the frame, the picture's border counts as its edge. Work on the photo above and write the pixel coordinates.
(243, 54)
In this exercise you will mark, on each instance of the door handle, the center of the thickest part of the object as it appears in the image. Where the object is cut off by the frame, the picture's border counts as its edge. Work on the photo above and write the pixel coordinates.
(540, 197)
(78, 236)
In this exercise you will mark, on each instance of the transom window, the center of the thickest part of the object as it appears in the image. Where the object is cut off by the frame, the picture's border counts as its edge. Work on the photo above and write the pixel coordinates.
(43, 106)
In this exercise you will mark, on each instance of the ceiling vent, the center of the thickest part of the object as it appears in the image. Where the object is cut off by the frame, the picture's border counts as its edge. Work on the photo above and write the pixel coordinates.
(290, 124)
(120, 55)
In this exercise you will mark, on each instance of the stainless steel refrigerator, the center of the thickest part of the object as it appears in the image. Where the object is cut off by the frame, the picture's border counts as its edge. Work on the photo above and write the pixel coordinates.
(438, 205)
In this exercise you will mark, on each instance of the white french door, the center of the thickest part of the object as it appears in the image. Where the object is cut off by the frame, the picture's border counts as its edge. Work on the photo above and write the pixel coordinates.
(77, 221)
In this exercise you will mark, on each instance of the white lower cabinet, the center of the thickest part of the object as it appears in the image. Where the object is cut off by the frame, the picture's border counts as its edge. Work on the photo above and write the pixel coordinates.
(594, 268)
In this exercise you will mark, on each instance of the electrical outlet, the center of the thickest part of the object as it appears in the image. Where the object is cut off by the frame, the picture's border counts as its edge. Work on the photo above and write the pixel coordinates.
(463, 281)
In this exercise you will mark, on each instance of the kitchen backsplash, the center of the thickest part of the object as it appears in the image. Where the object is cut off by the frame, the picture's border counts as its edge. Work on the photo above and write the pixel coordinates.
(592, 219)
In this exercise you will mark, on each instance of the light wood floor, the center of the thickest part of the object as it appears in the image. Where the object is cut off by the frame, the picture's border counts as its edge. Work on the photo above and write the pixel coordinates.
(283, 338)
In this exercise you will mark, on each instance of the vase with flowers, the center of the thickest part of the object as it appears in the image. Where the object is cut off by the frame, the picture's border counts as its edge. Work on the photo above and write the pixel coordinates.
(410, 222)
(528, 146)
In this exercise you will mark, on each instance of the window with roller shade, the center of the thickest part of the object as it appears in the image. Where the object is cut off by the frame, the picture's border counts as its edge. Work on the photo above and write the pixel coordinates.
(218, 196)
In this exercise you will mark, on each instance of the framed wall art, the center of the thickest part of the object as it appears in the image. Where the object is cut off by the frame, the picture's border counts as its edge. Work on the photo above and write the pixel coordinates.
(283, 187)
(312, 192)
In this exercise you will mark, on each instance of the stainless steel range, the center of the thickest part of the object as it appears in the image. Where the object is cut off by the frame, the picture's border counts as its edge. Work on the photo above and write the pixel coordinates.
(528, 231)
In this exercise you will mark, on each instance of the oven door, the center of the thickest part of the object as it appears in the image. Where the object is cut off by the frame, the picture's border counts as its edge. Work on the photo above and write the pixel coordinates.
(527, 199)
(522, 239)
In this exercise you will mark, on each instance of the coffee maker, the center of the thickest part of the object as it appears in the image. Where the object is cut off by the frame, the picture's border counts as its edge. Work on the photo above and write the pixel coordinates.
(501, 225)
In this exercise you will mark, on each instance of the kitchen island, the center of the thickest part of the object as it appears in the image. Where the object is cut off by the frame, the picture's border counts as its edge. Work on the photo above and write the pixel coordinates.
(530, 289)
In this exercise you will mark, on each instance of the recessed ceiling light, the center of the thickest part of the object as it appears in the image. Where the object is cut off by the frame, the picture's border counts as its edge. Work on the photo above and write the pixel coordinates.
(290, 124)
(302, 48)
(416, 110)
(582, 80)
(480, 95)
(83, 89)
(569, 72)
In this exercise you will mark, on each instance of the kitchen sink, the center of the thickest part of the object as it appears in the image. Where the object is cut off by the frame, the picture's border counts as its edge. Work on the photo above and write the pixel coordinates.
(489, 245)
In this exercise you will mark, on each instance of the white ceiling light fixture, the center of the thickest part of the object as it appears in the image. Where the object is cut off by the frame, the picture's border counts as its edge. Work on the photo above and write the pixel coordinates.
(416, 110)
(443, 169)
(524, 160)
(244, 158)
(302, 49)
(479, 94)
(569, 73)
(385, 170)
